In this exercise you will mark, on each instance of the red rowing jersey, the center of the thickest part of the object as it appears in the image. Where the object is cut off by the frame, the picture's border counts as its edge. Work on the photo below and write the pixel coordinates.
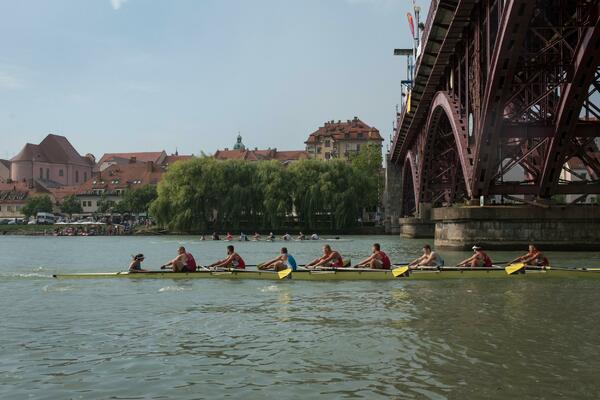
(385, 260)
(487, 261)
(190, 265)
(238, 262)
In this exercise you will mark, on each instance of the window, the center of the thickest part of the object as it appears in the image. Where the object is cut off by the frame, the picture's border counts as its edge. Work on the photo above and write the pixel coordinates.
(358, 147)
(41, 173)
(327, 155)
(76, 176)
(85, 176)
(47, 174)
(346, 135)
(360, 135)
(328, 143)
(61, 172)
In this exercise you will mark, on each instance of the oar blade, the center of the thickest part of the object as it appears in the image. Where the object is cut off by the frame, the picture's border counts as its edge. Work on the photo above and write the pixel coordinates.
(513, 268)
(399, 271)
(284, 273)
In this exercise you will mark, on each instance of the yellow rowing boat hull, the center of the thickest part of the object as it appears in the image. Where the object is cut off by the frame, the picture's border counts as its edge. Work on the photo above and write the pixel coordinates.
(349, 274)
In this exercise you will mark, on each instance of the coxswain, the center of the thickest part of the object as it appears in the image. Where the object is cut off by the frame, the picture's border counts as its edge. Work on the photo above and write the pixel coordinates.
(184, 262)
(429, 259)
(377, 260)
(136, 263)
(233, 260)
(478, 260)
(533, 257)
(283, 261)
(330, 259)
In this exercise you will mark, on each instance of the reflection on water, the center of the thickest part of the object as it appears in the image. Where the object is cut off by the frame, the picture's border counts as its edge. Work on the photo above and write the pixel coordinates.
(250, 339)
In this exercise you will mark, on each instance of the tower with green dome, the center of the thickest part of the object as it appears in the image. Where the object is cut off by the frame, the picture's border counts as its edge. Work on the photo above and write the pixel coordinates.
(238, 144)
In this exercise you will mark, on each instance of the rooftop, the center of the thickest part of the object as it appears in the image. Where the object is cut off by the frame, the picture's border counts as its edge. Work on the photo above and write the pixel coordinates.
(354, 129)
(53, 149)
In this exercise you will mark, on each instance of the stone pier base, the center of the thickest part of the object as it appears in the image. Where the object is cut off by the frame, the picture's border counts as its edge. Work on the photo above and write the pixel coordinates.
(416, 228)
(513, 227)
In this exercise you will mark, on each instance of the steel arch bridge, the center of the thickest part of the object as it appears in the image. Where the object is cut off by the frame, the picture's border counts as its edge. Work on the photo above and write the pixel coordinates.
(505, 94)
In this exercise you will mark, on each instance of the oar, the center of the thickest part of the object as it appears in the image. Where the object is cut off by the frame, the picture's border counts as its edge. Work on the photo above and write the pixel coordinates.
(511, 269)
(284, 273)
(396, 272)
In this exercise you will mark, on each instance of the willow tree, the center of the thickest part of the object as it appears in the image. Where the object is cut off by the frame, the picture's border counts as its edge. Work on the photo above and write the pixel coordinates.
(276, 186)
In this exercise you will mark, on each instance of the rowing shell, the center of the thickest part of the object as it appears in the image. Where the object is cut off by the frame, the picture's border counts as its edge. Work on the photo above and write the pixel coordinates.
(349, 274)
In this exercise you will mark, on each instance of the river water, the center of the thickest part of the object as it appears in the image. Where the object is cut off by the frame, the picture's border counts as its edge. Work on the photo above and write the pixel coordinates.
(160, 339)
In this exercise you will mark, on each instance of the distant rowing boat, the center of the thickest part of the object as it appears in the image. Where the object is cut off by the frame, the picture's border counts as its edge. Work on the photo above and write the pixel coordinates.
(351, 274)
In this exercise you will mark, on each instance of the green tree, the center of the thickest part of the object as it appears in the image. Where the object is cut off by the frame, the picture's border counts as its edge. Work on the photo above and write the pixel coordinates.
(71, 205)
(36, 204)
(105, 205)
(367, 165)
(138, 200)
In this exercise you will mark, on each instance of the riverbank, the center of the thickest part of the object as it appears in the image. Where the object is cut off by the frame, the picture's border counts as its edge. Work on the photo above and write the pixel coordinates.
(45, 230)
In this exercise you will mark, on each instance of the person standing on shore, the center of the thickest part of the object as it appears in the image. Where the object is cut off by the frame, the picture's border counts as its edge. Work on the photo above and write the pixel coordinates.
(281, 262)
(233, 260)
(330, 259)
(533, 257)
(377, 260)
(429, 259)
(184, 262)
(478, 260)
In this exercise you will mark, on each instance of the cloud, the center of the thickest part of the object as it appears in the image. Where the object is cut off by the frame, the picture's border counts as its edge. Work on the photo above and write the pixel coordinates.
(117, 4)
(9, 81)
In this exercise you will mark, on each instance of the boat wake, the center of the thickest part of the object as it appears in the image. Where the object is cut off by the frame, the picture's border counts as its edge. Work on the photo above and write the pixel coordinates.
(270, 288)
(173, 289)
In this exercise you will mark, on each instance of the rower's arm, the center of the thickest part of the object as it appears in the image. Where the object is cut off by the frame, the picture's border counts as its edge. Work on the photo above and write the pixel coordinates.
(416, 261)
(314, 262)
(367, 260)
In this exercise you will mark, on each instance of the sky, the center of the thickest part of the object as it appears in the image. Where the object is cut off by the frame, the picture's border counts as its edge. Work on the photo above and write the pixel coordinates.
(147, 75)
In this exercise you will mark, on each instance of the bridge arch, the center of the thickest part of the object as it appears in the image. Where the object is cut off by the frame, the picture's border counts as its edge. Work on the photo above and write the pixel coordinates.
(445, 167)
(410, 193)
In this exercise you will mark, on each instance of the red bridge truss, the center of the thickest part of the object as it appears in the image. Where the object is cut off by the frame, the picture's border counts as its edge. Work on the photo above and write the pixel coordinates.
(505, 99)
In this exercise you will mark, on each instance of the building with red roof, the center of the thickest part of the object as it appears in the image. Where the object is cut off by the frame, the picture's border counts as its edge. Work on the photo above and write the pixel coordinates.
(341, 139)
(240, 152)
(115, 180)
(54, 161)
(108, 159)
(4, 170)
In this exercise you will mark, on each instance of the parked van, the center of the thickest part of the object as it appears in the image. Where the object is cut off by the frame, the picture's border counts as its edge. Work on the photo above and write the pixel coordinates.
(44, 218)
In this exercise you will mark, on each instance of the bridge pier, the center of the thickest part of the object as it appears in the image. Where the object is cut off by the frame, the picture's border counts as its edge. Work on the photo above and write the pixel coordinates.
(513, 227)
(419, 227)
(392, 197)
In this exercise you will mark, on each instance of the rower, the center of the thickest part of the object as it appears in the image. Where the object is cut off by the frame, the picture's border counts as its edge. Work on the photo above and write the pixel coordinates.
(286, 237)
(429, 259)
(184, 262)
(377, 260)
(215, 236)
(478, 260)
(314, 236)
(243, 237)
(281, 262)
(136, 263)
(271, 237)
(233, 260)
(330, 259)
(301, 236)
(256, 237)
(229, 238)
(533, 257)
